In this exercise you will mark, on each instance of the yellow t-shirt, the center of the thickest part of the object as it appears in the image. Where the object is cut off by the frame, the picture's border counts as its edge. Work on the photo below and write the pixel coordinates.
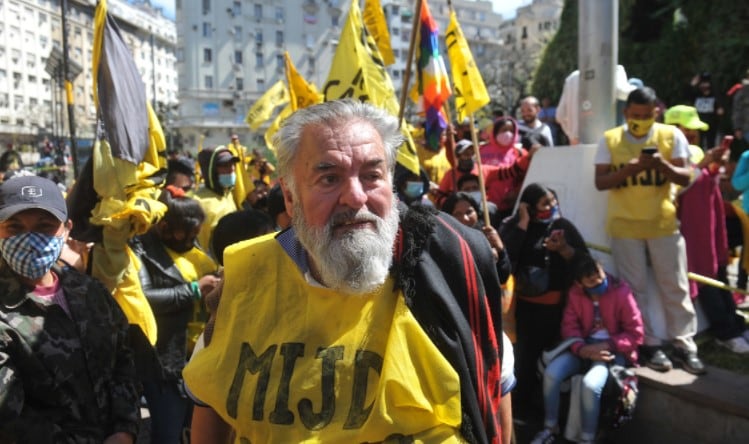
(643, 206)
(294, 362)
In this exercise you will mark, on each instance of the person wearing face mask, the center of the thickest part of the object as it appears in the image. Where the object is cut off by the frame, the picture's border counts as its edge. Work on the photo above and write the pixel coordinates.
(410, 188)
(218, 167)
(496, 177)
(541, 245)
(66, 368)
(175, 275)
(639, 163)
(602, 316)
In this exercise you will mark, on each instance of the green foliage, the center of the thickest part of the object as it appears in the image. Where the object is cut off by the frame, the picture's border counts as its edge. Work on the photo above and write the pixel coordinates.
(663, 42)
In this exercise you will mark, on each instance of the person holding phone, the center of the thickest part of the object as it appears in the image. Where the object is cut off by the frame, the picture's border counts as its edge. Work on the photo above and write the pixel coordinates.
(644, 229)
(540, 243)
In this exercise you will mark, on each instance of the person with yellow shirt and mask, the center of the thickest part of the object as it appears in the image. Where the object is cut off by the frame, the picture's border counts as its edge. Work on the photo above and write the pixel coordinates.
(366, 321)
(639, 163)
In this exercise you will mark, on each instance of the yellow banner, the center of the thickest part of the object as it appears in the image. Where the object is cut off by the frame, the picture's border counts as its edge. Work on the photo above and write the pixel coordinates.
(358, 72)
(374, 20)
(273, 128)
(470, 91)
(262, 110)
(302, 93)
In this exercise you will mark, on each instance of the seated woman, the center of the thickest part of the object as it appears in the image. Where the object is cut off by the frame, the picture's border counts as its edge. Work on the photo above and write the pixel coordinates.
(541, 245)
(602, 313)
(175, 275)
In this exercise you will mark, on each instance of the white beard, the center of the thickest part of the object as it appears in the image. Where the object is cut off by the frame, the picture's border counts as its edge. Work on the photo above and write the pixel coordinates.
(357, 262)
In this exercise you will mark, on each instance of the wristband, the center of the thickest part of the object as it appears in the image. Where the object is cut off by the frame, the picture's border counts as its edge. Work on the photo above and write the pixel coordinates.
(195, 289)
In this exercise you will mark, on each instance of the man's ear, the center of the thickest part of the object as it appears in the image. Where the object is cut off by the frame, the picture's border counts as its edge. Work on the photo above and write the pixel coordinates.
(288, 197)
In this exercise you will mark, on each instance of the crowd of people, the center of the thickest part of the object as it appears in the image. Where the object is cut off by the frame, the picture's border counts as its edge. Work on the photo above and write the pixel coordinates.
(340, 296)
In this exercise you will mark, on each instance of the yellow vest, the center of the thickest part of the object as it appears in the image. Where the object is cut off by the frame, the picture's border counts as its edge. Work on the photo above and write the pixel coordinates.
(292, 362)
(643, 206)
(215, 207)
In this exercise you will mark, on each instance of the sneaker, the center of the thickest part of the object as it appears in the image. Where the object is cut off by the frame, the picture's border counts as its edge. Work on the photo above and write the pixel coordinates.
(736, 345)
(689, 361)
(657, 360)
(545, 436)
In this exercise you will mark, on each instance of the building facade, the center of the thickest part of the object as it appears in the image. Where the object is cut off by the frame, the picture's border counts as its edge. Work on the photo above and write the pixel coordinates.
(32, 100)
(231, 51)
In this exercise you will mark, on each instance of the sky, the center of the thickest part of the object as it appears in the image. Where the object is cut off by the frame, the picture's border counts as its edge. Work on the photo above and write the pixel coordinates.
(505, 7)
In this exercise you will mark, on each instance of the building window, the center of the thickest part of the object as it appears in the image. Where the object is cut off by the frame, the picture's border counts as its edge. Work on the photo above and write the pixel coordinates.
(260, 86)
(279, 38)
(207, 55)
(240, 84)
(4, 100)
(208, 82)
(279, 14)
(207, 29)
(334, 21)
(238, 33)
(280, 61)
(259, 61)
(17, 102)
(259, 37)
(236, 8)
(238, 57)
(32, 79)
(311, 63)
(258, 12)
(206, 6)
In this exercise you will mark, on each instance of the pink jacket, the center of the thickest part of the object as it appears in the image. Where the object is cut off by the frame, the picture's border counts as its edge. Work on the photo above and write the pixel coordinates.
(619, 313)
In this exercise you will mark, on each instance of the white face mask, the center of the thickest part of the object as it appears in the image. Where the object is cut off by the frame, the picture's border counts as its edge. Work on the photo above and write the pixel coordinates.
(505, 138)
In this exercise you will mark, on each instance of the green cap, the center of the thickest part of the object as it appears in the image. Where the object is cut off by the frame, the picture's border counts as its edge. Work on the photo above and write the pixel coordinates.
(685, 116)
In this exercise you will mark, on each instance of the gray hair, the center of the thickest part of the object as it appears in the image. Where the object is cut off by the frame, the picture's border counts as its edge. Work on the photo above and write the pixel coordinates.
(333, 113)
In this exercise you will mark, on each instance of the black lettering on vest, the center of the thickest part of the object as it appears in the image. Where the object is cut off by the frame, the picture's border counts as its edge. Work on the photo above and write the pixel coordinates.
(646, 178)
(281, 414)
(401, 439)
(357, 413)
(249, 362)
(310, 419)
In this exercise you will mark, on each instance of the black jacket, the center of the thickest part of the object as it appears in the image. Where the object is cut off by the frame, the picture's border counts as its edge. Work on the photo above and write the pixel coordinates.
(171, 299)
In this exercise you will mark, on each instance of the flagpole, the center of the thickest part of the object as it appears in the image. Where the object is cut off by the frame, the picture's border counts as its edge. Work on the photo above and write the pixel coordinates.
(475, 141)
(68, 88)
(416, 28)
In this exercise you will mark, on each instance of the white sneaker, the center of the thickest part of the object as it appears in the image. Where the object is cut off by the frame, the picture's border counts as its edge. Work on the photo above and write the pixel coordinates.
(738, 344)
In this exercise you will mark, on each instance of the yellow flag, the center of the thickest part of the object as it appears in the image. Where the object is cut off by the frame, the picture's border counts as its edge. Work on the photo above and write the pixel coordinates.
(470, 91)
(262, 110)
(358, 72)
(301, 93)
(374, 19)
(286, 112)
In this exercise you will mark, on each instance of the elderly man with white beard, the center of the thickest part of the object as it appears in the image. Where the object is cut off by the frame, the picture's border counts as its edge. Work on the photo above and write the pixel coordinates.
(363, 322)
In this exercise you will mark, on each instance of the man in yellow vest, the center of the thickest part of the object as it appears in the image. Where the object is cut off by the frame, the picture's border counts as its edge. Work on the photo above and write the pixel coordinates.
(363, 322)
(639, 163)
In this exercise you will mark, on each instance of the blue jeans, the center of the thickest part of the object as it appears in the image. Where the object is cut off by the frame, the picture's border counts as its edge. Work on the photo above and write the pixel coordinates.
(565, 366)
(169, 409)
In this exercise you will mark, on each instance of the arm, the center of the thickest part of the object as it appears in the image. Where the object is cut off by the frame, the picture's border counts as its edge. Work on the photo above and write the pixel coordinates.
(208, 427)
(629, 333)
(168, 299)
(676, 171)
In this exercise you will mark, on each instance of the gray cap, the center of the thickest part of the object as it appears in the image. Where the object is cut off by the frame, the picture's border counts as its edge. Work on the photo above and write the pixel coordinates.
(26, 192)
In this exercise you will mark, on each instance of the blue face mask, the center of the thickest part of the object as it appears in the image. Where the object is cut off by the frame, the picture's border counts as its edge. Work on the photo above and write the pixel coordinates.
(227, 180)
(31, 254)
(599, 289)
(414, 190)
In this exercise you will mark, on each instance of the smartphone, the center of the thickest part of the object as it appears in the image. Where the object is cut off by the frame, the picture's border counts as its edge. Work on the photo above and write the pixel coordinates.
(649, 150)
(726, 142)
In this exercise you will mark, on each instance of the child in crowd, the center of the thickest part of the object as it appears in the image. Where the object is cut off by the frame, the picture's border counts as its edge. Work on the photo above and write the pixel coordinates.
(602, 313)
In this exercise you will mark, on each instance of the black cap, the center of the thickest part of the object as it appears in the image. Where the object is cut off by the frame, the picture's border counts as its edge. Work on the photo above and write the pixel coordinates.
(26, 192)
(225, 156)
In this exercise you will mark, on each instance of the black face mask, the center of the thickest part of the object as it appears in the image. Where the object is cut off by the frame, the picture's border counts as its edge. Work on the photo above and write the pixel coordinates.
(465, 165)
(179, 246)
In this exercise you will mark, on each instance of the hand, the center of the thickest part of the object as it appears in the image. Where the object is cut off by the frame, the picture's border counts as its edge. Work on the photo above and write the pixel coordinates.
(493, 237)
(596, 352)
(556, 241)
(207, 283)
(119, 438)
(650, 161)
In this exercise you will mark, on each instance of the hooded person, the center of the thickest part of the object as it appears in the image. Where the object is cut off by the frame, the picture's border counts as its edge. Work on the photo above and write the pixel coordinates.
(410, 188)
(218, 166)
(502, 148)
